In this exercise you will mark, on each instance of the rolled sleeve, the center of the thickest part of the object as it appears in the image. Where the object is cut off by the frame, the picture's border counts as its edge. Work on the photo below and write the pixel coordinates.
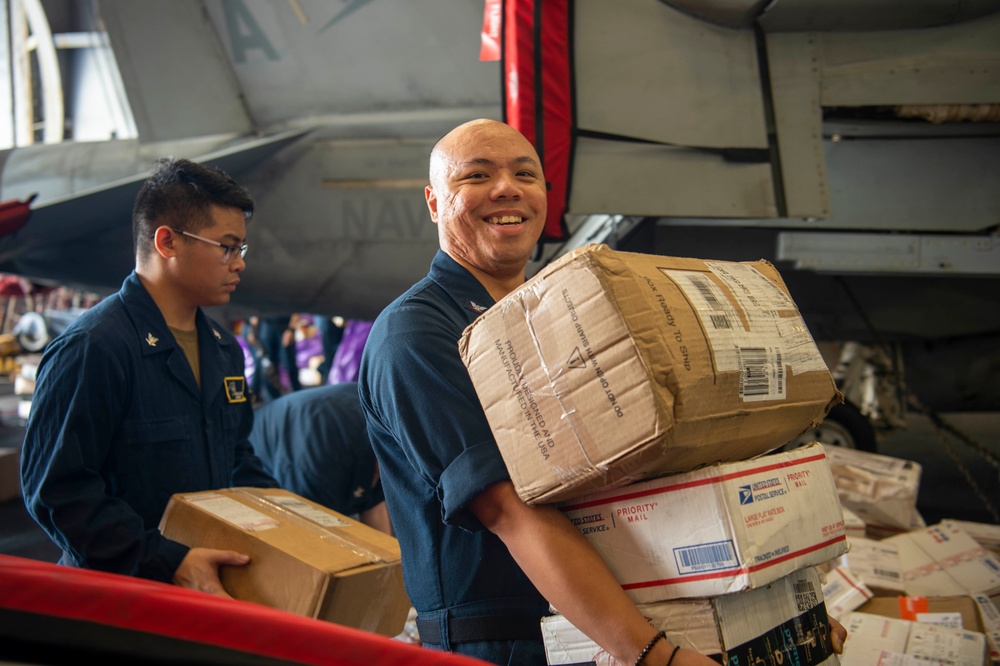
(473, 471)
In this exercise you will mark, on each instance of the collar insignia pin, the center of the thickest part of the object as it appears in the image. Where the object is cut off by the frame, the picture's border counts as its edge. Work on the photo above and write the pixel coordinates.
(150, 340)
(217, 336)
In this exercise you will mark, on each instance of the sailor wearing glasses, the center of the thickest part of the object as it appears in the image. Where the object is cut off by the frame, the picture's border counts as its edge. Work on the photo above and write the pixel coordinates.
(144, 396)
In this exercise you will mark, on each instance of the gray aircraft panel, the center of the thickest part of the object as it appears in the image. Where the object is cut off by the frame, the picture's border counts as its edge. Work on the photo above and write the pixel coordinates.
(614, 177)
(296, 60)
(645, 70)
(178, 80)
(953, 64)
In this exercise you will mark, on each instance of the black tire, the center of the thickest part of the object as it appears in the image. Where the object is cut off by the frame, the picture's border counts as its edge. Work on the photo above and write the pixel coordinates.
(844, 426)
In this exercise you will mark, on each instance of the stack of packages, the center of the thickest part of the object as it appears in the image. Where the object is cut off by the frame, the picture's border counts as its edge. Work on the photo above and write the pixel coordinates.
(904, 587)
(639, 394)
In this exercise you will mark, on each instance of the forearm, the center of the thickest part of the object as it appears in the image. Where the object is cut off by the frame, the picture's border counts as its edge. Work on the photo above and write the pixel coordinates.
(571, 575)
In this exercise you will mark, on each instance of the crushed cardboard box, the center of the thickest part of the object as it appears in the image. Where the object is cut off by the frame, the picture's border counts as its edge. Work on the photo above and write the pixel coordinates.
(881, 490)
(608, 367)
(716, 530)
(10, 475)
(781, 623)
(304, 557)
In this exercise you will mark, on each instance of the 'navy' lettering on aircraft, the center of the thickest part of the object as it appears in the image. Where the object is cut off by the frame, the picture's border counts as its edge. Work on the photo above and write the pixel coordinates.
(384, 219)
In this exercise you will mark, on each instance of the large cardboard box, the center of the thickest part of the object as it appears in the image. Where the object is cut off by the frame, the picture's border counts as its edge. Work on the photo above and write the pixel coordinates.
(304, 558)
(10, 475)
(781, 623)
(608, 367)
(717, 530)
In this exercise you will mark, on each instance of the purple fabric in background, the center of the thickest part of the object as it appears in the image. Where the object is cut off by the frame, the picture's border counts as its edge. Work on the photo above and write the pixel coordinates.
(306, 349)
(247, 359)
(347, 360)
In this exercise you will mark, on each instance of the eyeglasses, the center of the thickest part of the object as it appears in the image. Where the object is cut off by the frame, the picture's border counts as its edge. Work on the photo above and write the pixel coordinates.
(229, 252)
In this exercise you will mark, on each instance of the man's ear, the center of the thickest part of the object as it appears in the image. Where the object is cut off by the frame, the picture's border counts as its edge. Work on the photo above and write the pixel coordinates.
(431, 203)
(163, 240)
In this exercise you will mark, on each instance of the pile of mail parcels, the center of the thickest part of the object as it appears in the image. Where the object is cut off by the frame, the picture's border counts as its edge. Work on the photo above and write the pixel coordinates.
(646, 396)
(943, 578)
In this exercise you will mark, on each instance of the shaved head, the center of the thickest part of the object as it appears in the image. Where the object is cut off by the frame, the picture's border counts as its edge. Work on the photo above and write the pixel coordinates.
(487, 194)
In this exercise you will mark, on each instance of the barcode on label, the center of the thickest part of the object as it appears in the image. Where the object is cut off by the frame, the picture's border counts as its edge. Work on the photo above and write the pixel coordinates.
(753, 371)
(886, 573)
(720, 321)
(705, 557)
(700, 283)
(781, 372)
(806, 601)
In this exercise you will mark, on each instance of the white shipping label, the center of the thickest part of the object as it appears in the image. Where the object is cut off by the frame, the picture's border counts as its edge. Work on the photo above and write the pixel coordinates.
(234, 512)
(761, 350)
(309, 512)
(762, 299)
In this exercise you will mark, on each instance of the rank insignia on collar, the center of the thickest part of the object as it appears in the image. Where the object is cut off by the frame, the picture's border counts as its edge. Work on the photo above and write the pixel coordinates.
(476, 307)
(218, 336)
(236, 389)
(150, 340)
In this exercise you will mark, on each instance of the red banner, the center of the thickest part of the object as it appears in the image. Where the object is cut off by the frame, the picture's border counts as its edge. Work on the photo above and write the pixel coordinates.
(492, 21)
(538, 92)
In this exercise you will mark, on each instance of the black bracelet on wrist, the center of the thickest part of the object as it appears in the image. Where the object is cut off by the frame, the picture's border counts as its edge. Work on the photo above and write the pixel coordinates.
(677, 648)
(649, 646)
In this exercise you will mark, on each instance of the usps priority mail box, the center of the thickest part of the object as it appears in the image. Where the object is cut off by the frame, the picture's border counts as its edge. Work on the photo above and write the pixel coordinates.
(721, 529)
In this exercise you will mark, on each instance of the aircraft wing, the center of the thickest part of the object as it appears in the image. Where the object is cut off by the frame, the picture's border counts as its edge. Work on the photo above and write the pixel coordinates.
(86, 238)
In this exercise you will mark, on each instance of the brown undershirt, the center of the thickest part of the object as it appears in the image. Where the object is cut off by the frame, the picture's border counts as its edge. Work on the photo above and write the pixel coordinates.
(188, 341)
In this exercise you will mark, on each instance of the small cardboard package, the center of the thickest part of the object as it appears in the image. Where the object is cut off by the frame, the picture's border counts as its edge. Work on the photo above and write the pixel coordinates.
(781, 623)
(989, 616)
(844, 592)
(608, 367)
(717, 530)
(881, 490)
(10, 474)
(944, 560)
(304, 558)
(877, 563)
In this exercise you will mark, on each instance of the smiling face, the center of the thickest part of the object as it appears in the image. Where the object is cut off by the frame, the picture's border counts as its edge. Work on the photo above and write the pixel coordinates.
(487, 195)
